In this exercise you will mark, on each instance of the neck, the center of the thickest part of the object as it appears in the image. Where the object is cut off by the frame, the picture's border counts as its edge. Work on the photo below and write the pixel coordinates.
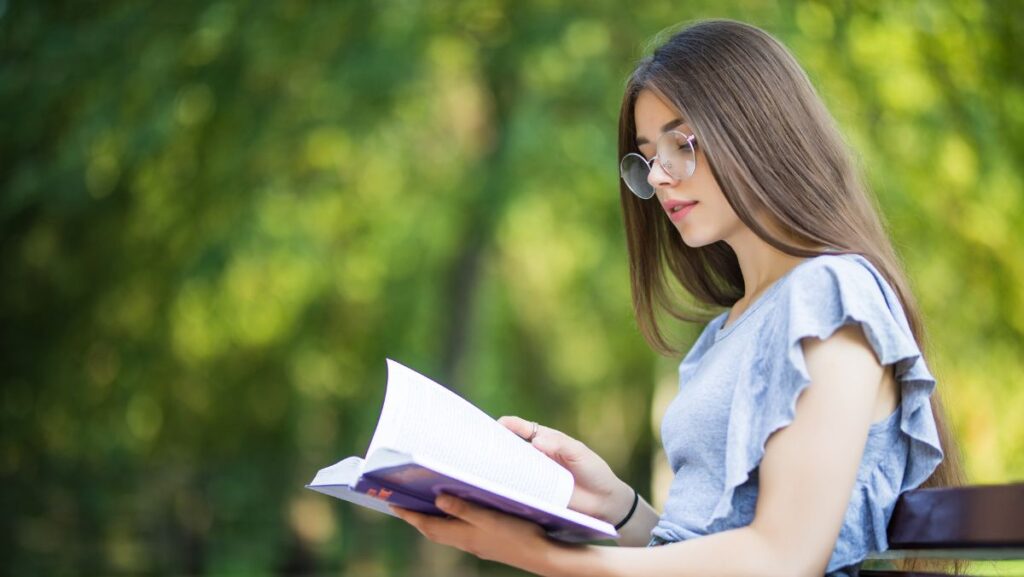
(760, 263)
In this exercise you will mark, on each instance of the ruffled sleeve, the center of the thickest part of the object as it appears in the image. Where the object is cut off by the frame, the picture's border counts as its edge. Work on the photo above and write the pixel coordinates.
(817, 298)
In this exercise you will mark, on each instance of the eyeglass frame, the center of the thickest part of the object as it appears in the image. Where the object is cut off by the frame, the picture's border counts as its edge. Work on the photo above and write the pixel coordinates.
(691, 141)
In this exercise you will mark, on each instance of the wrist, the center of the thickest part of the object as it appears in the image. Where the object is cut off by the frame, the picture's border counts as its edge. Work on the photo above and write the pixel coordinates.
(619, 504)
(632, 509)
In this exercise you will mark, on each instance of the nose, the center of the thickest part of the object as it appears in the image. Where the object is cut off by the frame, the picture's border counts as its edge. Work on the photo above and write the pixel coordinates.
(658, 177)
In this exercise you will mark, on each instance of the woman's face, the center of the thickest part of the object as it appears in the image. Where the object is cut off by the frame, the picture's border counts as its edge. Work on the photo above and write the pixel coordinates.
(710, 219)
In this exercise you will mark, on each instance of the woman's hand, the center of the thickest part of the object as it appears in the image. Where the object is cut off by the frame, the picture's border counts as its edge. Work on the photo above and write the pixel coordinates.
(488, 534)
(598, 492)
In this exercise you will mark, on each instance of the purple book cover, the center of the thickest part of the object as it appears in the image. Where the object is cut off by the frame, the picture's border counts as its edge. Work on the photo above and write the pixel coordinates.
(415, 487)
(430, 441)
(391, 478)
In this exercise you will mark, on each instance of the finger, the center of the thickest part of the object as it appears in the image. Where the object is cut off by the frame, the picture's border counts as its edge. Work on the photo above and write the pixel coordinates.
(524, 429)
(411, 516)
(559, 446)
(469, 514)
(408, 515)
(529, 430)
(552, 442)
(437, 529)
(517, 425)
(465, 510)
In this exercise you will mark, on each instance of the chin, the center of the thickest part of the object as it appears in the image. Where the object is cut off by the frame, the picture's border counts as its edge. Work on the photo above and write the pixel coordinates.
(696, 241)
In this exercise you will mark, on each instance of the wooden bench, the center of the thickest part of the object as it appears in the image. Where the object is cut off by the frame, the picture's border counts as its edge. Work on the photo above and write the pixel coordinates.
(966, 523)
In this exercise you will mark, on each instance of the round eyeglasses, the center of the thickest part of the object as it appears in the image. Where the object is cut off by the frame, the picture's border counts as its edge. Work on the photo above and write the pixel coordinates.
(675, 155)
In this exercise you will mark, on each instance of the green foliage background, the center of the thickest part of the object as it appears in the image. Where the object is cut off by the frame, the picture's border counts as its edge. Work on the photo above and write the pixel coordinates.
(219, 218)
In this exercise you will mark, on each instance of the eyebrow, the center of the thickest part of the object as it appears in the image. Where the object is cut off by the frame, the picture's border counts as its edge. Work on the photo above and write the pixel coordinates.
(640, 141)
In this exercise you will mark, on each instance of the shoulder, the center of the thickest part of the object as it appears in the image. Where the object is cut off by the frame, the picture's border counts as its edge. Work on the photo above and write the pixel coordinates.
(826, 293)
(837, 272)
(836, 289)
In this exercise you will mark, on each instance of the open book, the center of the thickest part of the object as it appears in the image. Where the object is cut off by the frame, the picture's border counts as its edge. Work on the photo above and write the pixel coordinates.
(430, 441)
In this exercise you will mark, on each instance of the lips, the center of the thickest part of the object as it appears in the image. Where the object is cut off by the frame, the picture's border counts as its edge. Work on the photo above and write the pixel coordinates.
(677, 209)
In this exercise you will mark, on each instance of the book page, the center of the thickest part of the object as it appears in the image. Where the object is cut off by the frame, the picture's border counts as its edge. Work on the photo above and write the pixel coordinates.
(344, 472)
(339, 480)
(424, 419)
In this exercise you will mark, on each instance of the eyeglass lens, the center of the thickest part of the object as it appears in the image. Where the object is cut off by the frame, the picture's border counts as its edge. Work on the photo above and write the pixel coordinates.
(675, 154)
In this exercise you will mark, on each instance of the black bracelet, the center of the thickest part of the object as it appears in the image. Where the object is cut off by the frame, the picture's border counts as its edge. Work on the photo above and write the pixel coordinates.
(636, 499)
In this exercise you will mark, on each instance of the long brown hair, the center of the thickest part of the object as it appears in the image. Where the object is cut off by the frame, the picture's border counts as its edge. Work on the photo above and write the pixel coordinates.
(775, 151)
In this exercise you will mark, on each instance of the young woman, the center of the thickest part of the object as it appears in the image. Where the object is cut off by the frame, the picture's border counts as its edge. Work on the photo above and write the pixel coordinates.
(806, 407)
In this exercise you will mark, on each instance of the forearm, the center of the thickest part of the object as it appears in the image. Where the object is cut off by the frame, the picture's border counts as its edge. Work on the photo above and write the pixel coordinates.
(739, 552)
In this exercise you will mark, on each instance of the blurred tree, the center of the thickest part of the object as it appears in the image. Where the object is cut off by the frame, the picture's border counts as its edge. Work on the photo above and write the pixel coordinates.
(217, 219)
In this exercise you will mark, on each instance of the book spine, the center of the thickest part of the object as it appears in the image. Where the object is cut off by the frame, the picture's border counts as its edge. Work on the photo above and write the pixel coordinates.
(395, 496)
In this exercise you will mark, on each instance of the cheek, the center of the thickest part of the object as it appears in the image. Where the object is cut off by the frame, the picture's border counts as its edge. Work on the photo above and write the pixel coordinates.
(726, 221)
(710, 194)
(714, 221)
(724, 210)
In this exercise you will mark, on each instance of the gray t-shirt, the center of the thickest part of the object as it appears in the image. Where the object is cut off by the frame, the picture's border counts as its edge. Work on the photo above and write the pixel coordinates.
(739, 385)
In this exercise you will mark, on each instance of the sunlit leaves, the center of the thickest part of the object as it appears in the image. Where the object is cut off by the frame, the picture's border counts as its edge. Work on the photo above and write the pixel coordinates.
(219, 218)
